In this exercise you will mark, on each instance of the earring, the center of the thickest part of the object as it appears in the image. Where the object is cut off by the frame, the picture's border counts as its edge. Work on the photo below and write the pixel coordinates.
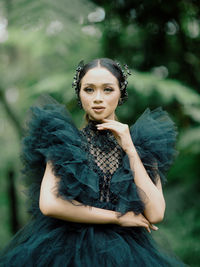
(120, 102)
(79, 103)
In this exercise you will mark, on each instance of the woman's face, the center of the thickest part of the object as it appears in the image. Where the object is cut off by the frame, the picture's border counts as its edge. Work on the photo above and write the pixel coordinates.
(99, 93)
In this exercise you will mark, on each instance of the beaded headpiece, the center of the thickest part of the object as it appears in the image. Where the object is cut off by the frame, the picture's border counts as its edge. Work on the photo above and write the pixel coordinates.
(123, 85)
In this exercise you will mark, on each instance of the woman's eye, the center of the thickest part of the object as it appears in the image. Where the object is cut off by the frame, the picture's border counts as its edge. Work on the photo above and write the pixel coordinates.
(88, 90)
(108, 89)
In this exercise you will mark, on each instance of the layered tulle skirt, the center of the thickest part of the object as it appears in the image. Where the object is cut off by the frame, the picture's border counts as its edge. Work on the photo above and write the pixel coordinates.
(47, 241)
(51, 242)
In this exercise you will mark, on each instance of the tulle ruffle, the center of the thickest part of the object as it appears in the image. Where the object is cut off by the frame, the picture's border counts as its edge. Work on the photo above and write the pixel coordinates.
(154, 136)
(52, 136)
(45, 241)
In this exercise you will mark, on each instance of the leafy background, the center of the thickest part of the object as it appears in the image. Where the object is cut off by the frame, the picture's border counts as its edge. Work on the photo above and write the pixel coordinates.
(41, 43)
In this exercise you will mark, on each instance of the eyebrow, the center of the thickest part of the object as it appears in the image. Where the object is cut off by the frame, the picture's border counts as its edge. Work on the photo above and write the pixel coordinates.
(102, 84)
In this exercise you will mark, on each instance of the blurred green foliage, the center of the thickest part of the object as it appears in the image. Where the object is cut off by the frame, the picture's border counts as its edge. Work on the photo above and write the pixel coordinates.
(157, 36)
(41, 43)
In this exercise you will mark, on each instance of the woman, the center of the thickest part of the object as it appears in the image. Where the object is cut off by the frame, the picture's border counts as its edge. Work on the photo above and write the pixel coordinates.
(96, 193)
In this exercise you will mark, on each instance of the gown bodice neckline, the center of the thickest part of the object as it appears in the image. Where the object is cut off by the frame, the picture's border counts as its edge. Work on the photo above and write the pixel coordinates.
(92, 126)
(104, 156)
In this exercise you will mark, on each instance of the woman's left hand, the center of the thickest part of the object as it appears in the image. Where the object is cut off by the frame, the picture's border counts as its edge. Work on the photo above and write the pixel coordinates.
(120, 131)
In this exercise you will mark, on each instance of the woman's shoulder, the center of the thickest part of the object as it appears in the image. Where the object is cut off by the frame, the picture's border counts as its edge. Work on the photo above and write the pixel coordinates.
(152, 124)
(49, 128)
(46, 107)
(50, 118)
(154, 136)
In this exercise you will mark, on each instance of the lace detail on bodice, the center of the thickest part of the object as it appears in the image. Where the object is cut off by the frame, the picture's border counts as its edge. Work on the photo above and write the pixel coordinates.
(104, 157)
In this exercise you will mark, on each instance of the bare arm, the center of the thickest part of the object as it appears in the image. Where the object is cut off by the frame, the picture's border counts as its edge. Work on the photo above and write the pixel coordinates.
(53, 206)
(155, 207)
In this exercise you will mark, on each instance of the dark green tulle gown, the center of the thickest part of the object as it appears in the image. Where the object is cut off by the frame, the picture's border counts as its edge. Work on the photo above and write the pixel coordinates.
(94, 170)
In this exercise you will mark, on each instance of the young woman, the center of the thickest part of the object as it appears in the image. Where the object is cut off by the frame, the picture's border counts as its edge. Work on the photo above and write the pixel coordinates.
(94, 194)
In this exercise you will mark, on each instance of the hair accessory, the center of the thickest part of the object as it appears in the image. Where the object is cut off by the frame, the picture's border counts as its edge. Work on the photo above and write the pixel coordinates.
(75, 83)
(124, 83)
(126, 72)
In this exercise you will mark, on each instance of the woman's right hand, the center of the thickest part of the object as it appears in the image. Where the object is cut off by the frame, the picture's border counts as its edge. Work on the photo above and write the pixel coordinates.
(130, 219)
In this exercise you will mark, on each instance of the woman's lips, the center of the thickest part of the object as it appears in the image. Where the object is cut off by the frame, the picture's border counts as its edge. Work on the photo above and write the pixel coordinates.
(98, 109)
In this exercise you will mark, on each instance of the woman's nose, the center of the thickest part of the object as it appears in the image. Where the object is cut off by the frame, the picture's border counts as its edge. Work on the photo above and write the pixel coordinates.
(98, 96)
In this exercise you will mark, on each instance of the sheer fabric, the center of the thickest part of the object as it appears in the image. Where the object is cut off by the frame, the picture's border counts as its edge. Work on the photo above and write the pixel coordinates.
(95, 171)
(104, 157)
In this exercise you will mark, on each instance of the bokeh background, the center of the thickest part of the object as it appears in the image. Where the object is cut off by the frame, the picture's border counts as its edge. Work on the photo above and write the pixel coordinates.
(41, 44)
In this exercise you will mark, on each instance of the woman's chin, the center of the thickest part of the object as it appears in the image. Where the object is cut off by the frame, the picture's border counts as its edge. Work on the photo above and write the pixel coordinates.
(100, 117)
(96, 118)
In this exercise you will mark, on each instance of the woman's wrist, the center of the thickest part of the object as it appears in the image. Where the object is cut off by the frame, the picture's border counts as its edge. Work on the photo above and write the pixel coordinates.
(129, 147)
(131, 151)
(116, 217)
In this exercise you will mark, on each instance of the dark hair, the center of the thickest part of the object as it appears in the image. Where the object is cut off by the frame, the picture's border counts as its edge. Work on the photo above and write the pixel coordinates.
(110, 65)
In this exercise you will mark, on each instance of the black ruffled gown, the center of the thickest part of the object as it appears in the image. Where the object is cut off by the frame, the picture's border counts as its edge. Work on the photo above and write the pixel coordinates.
(95, 171)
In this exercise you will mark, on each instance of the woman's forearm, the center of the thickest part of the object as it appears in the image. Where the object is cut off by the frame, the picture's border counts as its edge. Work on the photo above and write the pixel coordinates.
(65, 210)
(155, 206)
(53, 206)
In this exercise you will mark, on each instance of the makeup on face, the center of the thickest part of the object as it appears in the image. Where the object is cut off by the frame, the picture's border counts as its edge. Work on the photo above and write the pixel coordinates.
(99, 93)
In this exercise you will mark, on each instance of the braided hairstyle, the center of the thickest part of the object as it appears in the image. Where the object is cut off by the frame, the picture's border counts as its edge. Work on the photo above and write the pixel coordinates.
(109, 64)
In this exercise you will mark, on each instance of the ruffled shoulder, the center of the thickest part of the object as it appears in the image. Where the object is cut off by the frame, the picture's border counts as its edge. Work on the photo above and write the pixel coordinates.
(46, 121)
(51, 135)
(154, 136)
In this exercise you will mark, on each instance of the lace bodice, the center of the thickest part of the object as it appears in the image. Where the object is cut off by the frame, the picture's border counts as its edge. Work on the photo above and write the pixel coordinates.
(104, 157)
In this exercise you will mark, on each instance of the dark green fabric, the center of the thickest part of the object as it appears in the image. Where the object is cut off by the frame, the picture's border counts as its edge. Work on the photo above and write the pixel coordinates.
(46, 241)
